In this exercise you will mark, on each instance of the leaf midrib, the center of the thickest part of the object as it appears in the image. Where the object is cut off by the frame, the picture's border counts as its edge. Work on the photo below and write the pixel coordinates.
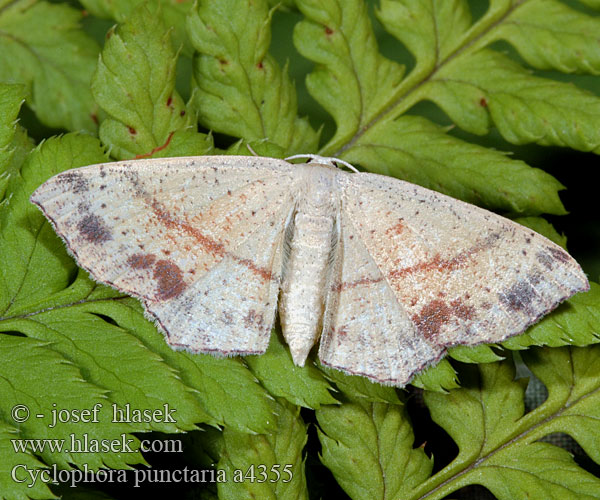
(524, 434)
(412, 90)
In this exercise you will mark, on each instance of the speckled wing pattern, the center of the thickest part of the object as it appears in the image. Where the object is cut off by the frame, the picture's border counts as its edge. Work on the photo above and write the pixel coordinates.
(418, 271)
(205, 243)
(199, 241)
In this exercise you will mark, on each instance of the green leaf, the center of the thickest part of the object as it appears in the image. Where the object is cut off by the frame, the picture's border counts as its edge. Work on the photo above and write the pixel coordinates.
(361, 389)
(241, 90)
(523, 107)
(550, 35)
(437, 377)
(369, 449)
(268, 466)
(498, 444)
(55, 384)
(573, 381)
(303, 386)
(11, 98)
(225, 388)
(18, 464)
(430, 30)
(14, 143)
(173, 15)
(419, 151)
(135, 84)
(542, 226)
(476, 354)
(352, 81)
(476, 87)
(43, 47)
(261, 148)
(594, 4)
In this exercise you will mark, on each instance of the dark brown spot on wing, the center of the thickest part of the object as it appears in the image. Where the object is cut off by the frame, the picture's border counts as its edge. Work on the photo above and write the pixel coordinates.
(77, 181)
(519, 297)
(170, 280)
(559, 254)
(141, 261)
(432, 318)
(254, 320)
(437, 313)
(462, 310)
(93, 229)
(546, 260)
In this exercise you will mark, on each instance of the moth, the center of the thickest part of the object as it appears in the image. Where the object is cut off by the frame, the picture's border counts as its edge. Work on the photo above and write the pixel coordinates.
(385, 273)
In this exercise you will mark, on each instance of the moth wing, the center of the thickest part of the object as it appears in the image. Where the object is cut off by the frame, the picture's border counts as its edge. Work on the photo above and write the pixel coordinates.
(432, 272)
(366, 331)
(198, 240)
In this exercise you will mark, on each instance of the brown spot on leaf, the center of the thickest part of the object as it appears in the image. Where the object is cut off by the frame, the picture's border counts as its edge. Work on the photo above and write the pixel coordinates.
(93, 229)
(170, 280)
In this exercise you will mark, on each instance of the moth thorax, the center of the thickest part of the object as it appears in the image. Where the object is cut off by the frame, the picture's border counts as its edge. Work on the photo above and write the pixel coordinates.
(319, 195)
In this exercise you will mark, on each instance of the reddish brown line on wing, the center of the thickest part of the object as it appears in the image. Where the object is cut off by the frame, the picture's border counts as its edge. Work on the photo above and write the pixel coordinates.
(338, 287)
(209, 244)
(439, 264)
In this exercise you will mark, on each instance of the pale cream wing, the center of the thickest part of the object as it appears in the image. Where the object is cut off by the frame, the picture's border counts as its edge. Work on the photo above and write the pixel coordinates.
(366, 331)
(460, 274)
(199, 240)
